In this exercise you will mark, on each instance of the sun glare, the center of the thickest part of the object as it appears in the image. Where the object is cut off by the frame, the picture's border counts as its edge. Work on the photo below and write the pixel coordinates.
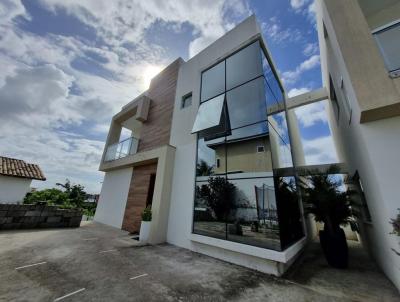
(150, 72)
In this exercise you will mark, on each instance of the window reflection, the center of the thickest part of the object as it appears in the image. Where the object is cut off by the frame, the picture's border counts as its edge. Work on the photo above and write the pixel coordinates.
(246, 104)
(253, 217)
(239, 196)
(209, 114)
(213, 81)
(243, 66)
(272, 80)
(279, 136)
(243, 156)
(290, 218)
(208, 151)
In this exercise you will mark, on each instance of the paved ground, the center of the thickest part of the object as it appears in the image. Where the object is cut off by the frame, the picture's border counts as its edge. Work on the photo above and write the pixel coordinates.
(98, 262)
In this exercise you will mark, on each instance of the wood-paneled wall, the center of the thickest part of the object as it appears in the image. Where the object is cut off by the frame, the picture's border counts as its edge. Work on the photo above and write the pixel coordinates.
(137, 197)
(156, 130)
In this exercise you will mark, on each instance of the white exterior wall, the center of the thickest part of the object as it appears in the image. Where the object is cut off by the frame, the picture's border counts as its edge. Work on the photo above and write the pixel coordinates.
(113, 196)
(13, 189)
(182, 195)
(372, 149)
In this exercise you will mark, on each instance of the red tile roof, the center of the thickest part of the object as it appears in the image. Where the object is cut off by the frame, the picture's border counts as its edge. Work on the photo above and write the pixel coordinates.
(19, 168)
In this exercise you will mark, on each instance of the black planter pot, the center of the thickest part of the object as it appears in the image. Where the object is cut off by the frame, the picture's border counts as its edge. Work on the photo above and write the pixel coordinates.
(335, 248)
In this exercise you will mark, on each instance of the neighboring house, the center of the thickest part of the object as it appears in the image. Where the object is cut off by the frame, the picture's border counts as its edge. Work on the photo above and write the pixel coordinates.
(92, 198)
(360, 60)
(15, 179)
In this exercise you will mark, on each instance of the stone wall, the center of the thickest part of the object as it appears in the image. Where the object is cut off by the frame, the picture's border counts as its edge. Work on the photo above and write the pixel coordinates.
(14, 216)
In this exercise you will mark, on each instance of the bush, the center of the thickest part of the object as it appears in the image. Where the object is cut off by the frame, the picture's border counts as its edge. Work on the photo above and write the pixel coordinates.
(146, 214)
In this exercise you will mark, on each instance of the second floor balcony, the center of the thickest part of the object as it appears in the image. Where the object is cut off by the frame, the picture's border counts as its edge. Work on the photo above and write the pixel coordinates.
(122, 149)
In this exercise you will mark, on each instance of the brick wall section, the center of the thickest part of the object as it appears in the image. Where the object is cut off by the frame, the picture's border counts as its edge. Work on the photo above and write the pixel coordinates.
(156, 130)
(137, 197)
(14, 216)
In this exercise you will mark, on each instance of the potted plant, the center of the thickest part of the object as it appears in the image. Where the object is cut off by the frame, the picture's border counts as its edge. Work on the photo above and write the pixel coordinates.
(331, 206)
(145, 225)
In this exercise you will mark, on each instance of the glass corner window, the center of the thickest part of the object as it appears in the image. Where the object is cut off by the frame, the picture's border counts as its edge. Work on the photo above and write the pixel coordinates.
(213, 81)
(244, 66)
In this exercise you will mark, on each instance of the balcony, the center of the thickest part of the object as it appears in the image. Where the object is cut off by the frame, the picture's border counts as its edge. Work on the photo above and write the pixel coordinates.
(122, 149)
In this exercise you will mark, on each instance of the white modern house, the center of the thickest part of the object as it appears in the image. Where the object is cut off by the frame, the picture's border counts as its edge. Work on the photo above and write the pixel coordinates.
(360, 61)
(215, 151)
(15, 179)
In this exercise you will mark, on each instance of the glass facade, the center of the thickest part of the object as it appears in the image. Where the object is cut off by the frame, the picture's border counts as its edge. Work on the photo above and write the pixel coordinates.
(240, 194)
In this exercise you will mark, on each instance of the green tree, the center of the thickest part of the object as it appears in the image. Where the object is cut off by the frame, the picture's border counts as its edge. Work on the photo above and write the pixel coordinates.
(203, 169)
(325, 199)
(219, 196)
(50, 196)
(76, 193)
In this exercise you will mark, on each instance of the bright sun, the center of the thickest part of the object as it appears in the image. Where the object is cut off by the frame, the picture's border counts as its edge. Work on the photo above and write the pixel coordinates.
(149, 72)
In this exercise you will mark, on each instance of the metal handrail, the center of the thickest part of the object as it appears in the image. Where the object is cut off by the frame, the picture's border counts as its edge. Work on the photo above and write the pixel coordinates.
(122, 149)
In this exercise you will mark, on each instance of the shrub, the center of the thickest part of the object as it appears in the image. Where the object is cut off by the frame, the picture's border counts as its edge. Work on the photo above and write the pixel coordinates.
(146, 214)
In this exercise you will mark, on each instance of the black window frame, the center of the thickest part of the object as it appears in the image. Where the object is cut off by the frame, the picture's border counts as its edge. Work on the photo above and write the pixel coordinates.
(278, 85)
(184, 100)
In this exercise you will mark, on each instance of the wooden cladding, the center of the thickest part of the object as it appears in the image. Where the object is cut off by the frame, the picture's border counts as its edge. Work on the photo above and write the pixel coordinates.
(138, 196)
(156, 130)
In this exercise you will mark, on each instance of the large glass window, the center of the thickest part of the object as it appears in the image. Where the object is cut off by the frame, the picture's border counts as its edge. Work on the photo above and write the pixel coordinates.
(242, 145)
(243, 66)
(213, 82)
(246, 104)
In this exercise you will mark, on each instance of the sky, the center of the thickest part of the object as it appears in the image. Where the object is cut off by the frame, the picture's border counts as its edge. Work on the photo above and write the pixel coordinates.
(68, 66)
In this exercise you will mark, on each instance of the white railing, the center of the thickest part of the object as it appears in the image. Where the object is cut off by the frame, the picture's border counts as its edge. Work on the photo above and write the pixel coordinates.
(122, 149)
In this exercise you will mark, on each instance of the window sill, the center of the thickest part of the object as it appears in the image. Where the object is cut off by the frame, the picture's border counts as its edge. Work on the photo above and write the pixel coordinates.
(284, 256)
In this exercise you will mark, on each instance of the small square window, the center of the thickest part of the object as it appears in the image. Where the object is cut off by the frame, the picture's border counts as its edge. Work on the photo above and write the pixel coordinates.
(218, 163)
(186, 101)
(260, 149)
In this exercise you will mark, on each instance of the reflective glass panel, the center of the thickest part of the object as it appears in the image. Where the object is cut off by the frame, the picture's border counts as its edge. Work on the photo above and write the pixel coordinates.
(213, 81)
(388, 42)
(243, 66)
(272, 80)
(259, 129)
(247, 104)
(209, 114)
(212, 206)
(290, 218)
(208, 152)
(253, 218)
(279, 138)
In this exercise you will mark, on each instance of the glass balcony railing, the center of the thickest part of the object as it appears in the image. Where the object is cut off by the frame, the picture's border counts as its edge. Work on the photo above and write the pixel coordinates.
(388, 42)
(122, 149)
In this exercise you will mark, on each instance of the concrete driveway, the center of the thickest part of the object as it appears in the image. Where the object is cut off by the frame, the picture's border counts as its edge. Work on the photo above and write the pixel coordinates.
(100, 263)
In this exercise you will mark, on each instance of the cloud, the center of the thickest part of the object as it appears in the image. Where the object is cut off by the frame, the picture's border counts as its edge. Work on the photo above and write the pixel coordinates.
(30, 90)
(298, 4)
(47, 87)
(311, 114)
(10, 9)
(273, 30)
(297, 91)
(119, 22)
(321, 150)
(292, 76)
(310, 49)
